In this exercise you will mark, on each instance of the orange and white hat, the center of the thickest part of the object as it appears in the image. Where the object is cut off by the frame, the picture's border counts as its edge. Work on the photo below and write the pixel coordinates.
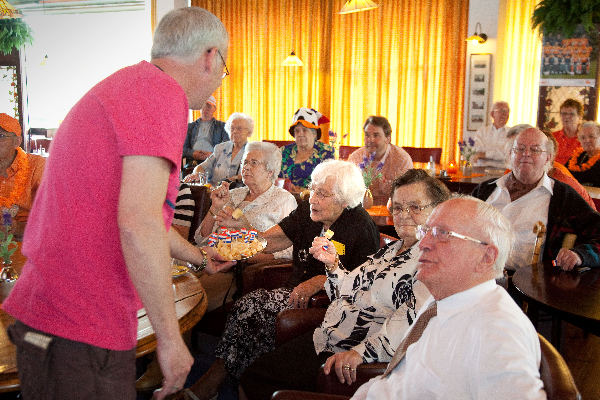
(10, 124)
(310, 118)
(212, 100)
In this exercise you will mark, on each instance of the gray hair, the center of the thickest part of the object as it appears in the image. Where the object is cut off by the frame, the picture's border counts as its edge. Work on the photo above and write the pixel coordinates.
(500, 103)
(185, 33)
(271, 156)
(496, 228)
(238, 115)
(592, 124)
(551, 144)
(349, 186)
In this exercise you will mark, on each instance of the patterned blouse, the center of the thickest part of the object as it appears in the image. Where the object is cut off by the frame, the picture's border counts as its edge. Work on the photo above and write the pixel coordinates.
(220, 165)
(373, 306)
(299, 174)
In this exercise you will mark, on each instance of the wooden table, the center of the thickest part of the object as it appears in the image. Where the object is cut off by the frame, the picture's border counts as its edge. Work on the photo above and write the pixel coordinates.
(566, 296)
(190, 306)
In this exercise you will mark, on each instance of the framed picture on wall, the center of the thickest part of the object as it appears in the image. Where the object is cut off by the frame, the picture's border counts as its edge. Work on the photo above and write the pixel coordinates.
(479, 88)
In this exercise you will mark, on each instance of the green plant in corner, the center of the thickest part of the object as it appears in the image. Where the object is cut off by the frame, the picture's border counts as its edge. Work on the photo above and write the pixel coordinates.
(14, 33)
(563, 16)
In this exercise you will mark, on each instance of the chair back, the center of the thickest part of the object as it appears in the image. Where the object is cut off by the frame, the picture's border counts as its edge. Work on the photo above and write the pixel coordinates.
(554, 372)
(345, 151)
(422, 154)
(202, 202)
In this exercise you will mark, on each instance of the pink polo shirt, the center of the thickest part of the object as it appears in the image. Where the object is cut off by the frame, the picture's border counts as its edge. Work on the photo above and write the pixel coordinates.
(75, 283)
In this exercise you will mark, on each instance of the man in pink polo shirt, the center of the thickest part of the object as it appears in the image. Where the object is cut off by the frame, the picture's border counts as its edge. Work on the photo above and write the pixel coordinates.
(98, 233)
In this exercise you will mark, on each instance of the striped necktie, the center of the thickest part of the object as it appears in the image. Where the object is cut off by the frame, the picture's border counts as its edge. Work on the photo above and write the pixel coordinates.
(414, 335)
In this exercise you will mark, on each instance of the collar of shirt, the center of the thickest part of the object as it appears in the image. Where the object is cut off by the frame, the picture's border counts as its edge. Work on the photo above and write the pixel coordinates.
(461, 301)
(544, 183)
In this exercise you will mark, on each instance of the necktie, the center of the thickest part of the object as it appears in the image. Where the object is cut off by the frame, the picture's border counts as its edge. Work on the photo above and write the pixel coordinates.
(414, 335)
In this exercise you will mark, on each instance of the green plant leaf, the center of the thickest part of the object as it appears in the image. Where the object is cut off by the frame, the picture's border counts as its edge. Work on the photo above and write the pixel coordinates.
(14, 33)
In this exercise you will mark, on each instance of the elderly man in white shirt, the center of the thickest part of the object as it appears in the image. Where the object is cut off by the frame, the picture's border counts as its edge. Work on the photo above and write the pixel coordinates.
(475, 343)
(527, 195)
(491, 140)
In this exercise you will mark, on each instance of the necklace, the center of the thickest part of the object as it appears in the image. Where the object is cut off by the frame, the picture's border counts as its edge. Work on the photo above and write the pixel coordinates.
(573, 166)
(21, 164)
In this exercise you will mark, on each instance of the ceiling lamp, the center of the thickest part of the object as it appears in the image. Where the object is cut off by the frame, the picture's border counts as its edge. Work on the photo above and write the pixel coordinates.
(477, 38)
(353, 6)
(7, 11)
(292, 61)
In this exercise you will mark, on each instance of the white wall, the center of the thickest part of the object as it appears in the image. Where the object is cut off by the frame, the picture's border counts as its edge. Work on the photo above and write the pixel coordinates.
(82, 49)
(486, 13)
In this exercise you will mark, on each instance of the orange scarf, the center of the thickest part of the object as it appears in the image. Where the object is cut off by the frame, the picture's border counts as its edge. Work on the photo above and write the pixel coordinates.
(21, 164)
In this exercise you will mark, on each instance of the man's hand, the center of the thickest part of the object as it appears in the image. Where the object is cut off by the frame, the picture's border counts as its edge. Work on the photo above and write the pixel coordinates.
(344, 364)
(567, 259)
(175, 362)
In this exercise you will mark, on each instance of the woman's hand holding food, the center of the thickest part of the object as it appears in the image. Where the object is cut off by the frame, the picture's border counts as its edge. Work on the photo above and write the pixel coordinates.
(323, 250)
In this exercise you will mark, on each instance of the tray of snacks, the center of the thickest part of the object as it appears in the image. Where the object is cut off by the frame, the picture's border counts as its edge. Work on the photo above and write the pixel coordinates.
(236, 244)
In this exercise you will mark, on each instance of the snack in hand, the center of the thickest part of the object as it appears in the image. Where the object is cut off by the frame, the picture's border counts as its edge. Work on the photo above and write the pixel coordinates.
(237, 213)
(329, 234)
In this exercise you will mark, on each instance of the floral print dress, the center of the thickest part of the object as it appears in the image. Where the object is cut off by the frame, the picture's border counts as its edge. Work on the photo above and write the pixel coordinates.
(299, 174)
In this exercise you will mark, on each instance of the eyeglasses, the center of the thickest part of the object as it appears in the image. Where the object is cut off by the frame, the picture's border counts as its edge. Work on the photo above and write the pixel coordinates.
(410, 209)
(534, 151)
(319, 193)
(443, 235)
(224, 65)
(251, 163)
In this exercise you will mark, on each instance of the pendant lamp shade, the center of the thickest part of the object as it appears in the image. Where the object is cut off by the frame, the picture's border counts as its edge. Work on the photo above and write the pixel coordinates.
(353, 6)
(292, 61)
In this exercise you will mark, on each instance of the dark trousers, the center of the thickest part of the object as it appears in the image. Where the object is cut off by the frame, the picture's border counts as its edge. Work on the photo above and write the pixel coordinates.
(293, 365)
(52, 367)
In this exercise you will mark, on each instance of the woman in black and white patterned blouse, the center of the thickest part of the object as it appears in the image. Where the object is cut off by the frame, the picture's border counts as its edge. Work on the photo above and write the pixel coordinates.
(372, 306)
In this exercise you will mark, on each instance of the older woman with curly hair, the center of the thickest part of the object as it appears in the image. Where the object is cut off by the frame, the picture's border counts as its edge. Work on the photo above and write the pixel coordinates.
(336, 193)
(584, 164)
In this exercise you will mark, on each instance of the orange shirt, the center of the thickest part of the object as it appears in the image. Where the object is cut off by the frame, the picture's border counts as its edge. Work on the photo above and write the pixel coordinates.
(34, 177)
(566, 145)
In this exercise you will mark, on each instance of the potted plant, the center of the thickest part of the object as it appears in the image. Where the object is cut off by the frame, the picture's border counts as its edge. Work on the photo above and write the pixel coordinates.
(14, 33)
(563, 16)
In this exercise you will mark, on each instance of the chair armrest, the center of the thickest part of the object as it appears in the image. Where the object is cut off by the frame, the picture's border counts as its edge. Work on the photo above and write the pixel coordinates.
(298, 395)
(319, 300)
(271, 275)
(331, 384)
(296, 321)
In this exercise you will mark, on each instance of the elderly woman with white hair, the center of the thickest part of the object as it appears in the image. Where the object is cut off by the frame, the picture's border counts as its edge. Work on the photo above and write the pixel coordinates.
(224, 162)
(336, 192)
(262, 205)
(584, 164)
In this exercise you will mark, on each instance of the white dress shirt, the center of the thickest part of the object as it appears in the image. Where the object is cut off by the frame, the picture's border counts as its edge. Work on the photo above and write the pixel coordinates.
(493, 143)
(523, 214)
(479, 346)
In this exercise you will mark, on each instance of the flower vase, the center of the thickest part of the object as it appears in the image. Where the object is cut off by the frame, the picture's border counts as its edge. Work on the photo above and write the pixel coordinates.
(467, 169)
(8, 277)
(368, 199)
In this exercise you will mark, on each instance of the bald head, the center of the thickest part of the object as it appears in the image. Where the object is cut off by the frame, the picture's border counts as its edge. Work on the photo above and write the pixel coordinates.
(531, 156)
(500, 113)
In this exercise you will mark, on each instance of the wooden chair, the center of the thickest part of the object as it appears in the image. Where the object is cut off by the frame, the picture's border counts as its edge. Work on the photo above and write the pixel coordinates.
(202, 201)
(554, 373)
(422, 154)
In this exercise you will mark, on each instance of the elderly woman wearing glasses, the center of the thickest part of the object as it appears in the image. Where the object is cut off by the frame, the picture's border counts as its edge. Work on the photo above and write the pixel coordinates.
(337, 190)
(262, 205)
(371, 306)
(224, 162)
(584, 163)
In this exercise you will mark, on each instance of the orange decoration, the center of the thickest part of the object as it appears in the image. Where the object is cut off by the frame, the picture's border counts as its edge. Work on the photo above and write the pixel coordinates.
(21, 164)
(573, 166)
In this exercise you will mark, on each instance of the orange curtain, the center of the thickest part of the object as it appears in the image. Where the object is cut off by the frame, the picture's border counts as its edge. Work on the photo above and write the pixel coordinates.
(404, 60)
